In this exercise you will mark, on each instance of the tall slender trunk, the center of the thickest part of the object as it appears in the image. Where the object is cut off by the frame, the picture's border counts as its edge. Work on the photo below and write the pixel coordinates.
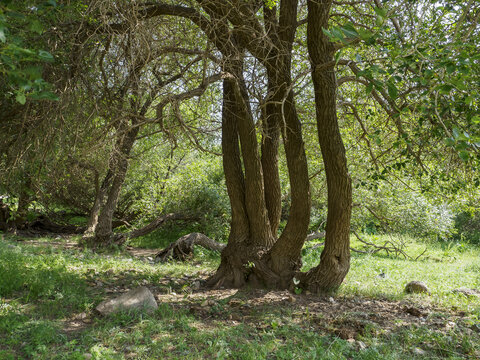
(104, 230)
(231, 271)
(279, 266)
(100, 191)
(335, 258)
(271, 177)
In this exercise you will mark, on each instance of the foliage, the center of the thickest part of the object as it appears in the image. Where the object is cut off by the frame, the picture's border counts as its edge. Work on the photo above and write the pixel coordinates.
(183, 181)
(467, 225)
(397, 209)
(21, 27)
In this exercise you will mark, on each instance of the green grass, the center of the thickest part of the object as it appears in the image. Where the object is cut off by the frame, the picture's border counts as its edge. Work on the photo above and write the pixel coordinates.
(43, 289)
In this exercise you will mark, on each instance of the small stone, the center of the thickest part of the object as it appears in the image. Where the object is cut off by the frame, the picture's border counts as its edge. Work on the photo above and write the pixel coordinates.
(139, 298)
(291, 299)
(308, 292)
(196, 285)
(331, 300)
(82, 316)
(418, 351)
(361, 345)
(416, 287)
(450, 325)
(205, 303)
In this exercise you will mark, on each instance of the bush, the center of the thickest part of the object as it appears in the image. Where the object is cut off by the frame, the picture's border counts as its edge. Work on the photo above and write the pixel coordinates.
(403, 211)
(467, 225)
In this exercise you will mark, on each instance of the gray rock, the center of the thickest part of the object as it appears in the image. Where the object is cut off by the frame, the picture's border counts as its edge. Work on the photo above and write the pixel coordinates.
(416, 287)
(139, 299)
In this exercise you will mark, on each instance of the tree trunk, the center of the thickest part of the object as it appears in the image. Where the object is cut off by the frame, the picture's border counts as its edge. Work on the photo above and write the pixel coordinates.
(262, 190)
(270, 143)
(244, 242)
(100, 191)
(335, 258)
(279, 266)
(104, 230)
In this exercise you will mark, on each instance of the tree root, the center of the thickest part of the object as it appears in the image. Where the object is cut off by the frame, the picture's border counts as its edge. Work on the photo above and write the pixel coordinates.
(182, 249)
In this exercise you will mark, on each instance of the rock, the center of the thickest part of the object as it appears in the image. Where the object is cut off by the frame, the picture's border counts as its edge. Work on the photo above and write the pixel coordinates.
(418, 351)
(467, 292)
(361, 345)
(140, 299)
(196, 285)
(416, 287)
(414, 311)
(291, 299)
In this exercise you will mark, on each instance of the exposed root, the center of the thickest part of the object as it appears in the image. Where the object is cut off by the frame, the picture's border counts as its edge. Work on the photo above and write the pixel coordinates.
(182, 249)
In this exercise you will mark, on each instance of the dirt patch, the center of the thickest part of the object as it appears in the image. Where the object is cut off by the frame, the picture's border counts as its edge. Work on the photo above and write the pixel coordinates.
(346, 317)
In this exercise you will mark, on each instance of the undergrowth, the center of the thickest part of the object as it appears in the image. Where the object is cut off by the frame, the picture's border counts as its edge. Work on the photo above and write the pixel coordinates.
(44, 290)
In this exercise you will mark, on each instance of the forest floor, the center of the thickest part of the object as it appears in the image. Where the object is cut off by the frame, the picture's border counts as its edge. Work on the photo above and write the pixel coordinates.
(49, 288)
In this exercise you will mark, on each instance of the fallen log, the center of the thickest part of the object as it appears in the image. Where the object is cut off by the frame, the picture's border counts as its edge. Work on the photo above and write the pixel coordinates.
(182, 249)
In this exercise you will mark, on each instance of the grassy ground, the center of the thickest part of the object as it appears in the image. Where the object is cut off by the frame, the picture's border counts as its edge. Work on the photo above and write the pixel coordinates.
(49, 288)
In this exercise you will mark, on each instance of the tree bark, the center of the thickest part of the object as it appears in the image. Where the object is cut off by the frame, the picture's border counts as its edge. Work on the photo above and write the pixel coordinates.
(335, 258)
(270, 144)
(279, 266)
(100, 191)
(243, 246)
(104, 230)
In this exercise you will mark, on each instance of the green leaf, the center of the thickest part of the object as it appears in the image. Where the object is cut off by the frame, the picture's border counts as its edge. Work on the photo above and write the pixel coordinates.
(476, 119)
(349, 31)
(380, 20)
(469, 100)
(45, 95)
(451, 68)
(45, 55)
(445, 89)
(380, 11)
(36, 26)
(369, 88)
(464, 155)
(21, 98)
(392, 90)
(450, 142)
(366, 35)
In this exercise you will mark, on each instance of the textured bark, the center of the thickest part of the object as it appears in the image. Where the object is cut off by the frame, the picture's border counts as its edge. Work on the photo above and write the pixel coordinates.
(279, 266)
(100, 191)
(335, 258)
(104, 229)
(243, 247)
(271, 177)
(260, 231)
(262, 189)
